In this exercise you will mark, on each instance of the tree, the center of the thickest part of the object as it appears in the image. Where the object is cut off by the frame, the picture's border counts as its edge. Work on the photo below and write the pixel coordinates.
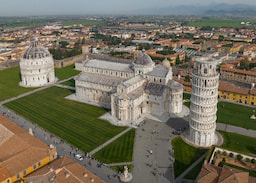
(186, 58)
(178, 62)
(224, 153)
(239, 157)
(221, 38)
(187, 78)
(231, 155)
(244, 64)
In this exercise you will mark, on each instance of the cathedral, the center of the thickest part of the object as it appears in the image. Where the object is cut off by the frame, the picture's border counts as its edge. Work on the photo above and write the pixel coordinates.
(36, 66)
(131, 89)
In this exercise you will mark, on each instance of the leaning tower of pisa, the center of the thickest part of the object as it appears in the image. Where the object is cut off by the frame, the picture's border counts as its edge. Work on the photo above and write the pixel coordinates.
(204, 99)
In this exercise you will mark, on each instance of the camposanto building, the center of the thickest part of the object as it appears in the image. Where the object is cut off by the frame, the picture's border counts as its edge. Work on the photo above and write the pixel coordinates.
(204, 99)
(131, 89)
(36, 66)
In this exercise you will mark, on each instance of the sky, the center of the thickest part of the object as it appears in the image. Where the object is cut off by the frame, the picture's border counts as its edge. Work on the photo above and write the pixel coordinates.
(77, 7)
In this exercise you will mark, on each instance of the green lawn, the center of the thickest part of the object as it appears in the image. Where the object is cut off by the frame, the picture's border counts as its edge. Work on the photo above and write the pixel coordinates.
(82, 22)
(185, 155)
(9, 83)
(76, 122)
(66, 72)
(192, 174)
(236, 115)
(118, 151)
(186, 96)
(239, 143)
(251, 172)
(70, 82)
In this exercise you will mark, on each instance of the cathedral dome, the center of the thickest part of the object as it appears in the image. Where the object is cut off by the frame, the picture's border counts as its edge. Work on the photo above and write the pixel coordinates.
(166, 63)
(35, 50)
(144, 59)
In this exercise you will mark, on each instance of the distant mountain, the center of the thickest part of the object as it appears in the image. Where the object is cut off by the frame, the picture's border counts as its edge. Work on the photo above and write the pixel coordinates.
(220, 9)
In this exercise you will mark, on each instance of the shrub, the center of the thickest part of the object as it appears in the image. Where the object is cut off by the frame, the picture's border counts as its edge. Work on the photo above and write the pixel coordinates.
(253, 161)
(218, 152)
(231, 155)
(221, 164)
(239, 157)
(247, 159)
(224, 153)
(224, 160)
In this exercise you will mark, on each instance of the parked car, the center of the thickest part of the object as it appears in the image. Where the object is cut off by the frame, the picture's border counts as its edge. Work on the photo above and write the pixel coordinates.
(79, 157)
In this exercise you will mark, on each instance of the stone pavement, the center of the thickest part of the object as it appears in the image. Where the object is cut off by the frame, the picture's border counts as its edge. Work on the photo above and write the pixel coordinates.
(109, 141)
(235, 129)
(63, 148)
(117, 164)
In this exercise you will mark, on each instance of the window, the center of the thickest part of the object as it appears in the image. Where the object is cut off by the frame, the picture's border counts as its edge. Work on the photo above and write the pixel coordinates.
(18, 176)
(39, 163)
(205, 71)
(24, 172)
(34, 166)
(8, 181)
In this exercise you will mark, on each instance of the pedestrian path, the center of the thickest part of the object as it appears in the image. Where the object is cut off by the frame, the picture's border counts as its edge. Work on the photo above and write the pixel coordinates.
(65, 86)
(117, 164)
(236, 129)
(179, 178)
(109, 141)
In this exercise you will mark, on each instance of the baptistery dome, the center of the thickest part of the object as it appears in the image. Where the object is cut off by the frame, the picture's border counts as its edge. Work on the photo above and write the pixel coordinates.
(35, 50)
(36, 66)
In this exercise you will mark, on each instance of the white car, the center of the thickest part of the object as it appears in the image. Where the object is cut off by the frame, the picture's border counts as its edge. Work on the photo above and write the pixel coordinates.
(79, 157)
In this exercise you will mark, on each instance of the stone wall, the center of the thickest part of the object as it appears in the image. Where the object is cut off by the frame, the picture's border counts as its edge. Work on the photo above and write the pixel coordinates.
(9, 64)
(68, 61)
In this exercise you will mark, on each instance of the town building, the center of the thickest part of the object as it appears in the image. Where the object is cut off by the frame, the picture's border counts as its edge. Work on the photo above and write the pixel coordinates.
(63, 170)
(20, 152)
(36, 66)
(214, 174)
(204, 99)
(131, 89)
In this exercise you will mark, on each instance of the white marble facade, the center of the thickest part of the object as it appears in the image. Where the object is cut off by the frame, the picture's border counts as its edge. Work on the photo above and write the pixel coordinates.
(204, 99)
(36, 66)
(130, 89)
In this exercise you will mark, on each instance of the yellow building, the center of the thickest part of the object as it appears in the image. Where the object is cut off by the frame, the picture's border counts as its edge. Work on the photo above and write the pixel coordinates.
(230, 92)
(20, 152)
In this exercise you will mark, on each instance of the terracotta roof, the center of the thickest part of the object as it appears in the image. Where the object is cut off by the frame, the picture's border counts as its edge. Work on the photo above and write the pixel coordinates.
(66, 170)
(214, 174)
(17, 148)
(228, 87)
(239, 71)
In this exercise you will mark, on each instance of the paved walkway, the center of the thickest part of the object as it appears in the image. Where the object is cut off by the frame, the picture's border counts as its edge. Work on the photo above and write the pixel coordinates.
(235, 129)
(179, 178)
(65, 86)
(109, 141)
(117, 164)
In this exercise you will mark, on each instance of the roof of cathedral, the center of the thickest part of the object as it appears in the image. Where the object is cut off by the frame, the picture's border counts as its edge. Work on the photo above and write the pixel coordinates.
(159, 71)
(109, 65)
(144, 59)
(35, 50)
(155, 89)
(133, 80)
(99, 79)
(174, 85)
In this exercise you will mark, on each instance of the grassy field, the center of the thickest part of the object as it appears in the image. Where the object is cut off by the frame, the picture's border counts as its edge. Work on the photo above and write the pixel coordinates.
(192, 174)
(185, 155)
(76, 122)
(236, 115)
(239, 143)
(66, 72)
(9, 83)
(82, 22)
(70, 82)
(186, 96)
(118, 151)
(218, 23)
